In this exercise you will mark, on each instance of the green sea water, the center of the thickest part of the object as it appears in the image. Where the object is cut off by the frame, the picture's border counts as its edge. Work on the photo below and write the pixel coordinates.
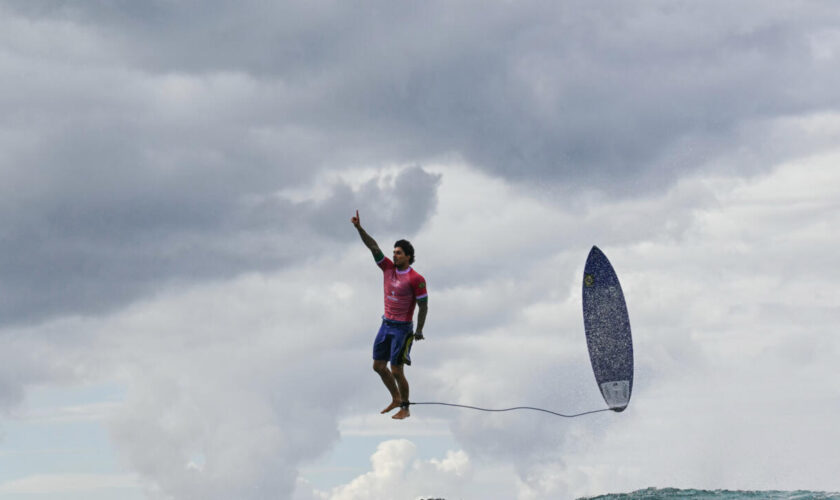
(673, 493)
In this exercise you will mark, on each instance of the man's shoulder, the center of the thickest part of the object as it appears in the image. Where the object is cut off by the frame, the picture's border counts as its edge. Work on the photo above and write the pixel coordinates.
(415, 276)
(418, 283)
(384, 262)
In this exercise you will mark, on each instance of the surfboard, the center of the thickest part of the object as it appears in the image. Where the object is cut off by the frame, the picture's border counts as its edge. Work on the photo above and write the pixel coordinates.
(607, 326)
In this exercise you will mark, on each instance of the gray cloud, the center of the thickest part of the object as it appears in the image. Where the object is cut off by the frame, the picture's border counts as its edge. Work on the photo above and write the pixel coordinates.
(118, 180)
(400, 202)
(133, 132)
(621, 98)
(90, 255)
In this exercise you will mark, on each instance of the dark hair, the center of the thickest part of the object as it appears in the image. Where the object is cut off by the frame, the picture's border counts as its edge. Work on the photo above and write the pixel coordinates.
(407, 248)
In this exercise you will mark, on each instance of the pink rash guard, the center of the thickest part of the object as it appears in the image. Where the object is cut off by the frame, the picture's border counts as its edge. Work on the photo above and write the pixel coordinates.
(402, 290)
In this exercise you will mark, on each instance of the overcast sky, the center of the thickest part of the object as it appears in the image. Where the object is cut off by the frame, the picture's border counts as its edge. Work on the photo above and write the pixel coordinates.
(187, 312)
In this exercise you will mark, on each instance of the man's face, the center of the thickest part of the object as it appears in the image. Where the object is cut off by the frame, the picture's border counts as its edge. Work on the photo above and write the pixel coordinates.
(400, 258)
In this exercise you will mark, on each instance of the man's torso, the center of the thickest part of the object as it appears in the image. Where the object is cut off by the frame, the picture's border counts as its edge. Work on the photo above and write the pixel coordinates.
(402, 290)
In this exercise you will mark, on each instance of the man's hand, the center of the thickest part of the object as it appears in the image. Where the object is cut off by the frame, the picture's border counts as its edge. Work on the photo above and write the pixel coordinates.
(418, 335)
(355, 220)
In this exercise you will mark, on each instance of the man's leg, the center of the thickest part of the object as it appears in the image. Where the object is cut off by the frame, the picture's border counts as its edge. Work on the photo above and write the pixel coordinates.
(381, 367)
(402, 385)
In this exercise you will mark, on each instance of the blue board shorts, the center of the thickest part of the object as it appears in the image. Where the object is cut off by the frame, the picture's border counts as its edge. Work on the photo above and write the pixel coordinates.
(393, 342)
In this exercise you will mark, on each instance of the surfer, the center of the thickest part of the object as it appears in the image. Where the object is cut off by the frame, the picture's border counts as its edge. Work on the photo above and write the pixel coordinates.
(404, 287)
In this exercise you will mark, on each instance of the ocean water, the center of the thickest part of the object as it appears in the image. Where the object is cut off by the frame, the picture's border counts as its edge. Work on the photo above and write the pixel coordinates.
(673, 493)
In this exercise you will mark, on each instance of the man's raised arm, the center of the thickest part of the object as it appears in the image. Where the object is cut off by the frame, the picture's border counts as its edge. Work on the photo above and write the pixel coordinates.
(366, 238)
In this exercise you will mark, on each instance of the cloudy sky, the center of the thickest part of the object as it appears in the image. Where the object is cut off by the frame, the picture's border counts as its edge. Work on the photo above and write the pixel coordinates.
(187, 312)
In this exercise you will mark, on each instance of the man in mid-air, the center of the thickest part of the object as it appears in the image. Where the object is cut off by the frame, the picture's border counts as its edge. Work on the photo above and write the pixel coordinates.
(404, 287)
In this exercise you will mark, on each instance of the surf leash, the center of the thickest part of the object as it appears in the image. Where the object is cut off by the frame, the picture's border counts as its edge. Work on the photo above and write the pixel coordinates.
(512, 409)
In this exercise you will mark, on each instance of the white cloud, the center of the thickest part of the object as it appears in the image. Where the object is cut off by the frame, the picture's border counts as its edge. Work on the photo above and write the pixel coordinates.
(43, 484)
(733, 315)
(234, 385)
(397, 472)
(373, 424)
(99, 411)
(732, 347)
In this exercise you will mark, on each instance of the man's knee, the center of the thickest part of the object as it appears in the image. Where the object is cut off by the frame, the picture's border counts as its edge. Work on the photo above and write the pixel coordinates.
(380, 366)
(397, 370)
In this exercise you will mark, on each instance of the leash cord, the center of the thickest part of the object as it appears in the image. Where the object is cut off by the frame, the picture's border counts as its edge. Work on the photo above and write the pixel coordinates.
(514, 408)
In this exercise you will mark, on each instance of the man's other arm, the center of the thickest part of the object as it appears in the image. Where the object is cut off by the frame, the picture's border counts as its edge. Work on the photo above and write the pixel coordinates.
(423, 308)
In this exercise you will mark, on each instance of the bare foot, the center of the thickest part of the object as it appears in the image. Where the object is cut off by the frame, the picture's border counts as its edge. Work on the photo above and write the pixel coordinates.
(394, 404)
(403, 413)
